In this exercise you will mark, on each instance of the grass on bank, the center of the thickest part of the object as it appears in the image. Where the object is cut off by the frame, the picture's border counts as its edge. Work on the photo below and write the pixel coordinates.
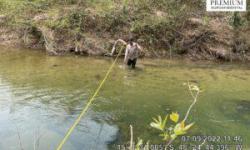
(154, 22)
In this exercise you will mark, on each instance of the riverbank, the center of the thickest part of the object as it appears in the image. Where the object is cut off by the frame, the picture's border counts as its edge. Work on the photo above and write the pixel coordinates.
(90, 28)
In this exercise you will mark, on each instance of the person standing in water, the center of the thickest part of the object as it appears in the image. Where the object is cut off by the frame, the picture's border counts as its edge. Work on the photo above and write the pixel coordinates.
(132, 52)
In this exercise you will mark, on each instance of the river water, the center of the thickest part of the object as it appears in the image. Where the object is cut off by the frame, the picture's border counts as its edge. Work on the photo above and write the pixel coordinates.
(41, 96)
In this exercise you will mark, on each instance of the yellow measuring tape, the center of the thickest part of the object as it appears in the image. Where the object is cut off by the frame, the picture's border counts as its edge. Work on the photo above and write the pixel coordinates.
(59, 147)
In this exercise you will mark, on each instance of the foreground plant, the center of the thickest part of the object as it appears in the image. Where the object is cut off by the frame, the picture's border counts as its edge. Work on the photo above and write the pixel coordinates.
(169, 131)
(172, 130)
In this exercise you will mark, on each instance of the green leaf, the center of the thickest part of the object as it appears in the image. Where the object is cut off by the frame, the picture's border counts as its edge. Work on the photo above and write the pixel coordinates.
(174, 117)
(139, 143)
(156, 125)
(173, 136)
(181, 129)
(194, 87)
(165, 136)
(165, 121)
(188, 126)
(159, 124)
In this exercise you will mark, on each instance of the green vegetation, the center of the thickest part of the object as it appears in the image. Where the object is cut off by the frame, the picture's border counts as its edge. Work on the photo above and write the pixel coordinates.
(152, 21)
(159, 25)
(173, 131)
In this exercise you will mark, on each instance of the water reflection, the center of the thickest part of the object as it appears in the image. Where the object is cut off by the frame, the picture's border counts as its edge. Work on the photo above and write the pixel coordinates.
(45, 114)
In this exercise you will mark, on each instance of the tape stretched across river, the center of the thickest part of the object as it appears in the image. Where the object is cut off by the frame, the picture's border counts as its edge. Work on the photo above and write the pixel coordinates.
(85, 109)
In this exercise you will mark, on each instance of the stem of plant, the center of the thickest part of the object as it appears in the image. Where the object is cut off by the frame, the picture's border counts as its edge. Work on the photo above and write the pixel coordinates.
(190, 107)
(131, 138)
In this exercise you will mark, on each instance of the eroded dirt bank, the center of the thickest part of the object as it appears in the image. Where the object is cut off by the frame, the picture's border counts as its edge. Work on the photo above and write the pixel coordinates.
(195, 38)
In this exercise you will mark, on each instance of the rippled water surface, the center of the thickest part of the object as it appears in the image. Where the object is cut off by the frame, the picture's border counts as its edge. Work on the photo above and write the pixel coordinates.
(40, 97)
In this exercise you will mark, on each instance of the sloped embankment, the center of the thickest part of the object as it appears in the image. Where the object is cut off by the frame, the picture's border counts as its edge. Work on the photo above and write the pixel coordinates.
(87, 33)
(214, 39)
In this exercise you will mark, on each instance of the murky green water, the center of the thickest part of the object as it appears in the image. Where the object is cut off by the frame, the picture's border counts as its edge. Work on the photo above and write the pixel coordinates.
(40, 97)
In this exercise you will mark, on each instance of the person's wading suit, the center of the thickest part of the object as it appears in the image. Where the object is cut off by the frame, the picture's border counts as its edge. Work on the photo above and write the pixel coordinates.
(131, 54)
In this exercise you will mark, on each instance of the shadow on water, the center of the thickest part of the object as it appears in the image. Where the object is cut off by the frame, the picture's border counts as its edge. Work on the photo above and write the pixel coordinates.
(244, 106)
(238, 110)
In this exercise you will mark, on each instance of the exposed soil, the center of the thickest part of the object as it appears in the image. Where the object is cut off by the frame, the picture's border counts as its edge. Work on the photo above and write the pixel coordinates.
(196, 39)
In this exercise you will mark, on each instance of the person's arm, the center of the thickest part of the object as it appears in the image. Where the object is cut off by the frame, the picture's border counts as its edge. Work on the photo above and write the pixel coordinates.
(141, 50)
(122, 41)
(126, 55)
(139, 47)
(113, 49)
